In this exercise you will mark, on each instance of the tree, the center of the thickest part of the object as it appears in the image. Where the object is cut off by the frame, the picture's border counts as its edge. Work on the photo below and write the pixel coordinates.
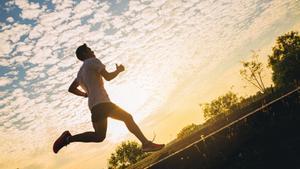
(285, 59)
(223, 104)
(127, 153)
(187, 130)
(252, 72)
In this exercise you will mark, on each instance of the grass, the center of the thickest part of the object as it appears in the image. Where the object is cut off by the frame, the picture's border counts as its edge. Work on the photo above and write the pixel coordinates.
(239, 126)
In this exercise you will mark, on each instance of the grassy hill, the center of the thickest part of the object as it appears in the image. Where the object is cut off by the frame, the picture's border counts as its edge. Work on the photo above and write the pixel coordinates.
(262, 133)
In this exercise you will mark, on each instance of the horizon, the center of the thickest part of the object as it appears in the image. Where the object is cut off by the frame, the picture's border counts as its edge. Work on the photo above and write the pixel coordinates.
(177, 54)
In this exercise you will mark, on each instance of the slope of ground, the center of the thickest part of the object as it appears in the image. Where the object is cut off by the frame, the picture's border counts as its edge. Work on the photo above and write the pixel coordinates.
(263, 134)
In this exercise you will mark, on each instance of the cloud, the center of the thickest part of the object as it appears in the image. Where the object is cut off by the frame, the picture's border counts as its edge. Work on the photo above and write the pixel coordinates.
(31, 13)
(9, 37)
(30, 10)
(5, 81)
(163, 44)
(10, 19)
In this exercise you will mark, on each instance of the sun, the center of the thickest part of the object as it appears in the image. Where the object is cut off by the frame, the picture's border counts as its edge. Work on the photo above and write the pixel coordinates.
(131, 98)
(128, 96)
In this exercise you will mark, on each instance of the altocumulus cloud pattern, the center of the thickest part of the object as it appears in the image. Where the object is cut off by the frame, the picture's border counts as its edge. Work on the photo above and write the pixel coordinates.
(161, 43)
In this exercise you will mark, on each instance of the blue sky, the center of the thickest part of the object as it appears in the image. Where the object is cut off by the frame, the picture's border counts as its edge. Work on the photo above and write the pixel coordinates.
(176, 53)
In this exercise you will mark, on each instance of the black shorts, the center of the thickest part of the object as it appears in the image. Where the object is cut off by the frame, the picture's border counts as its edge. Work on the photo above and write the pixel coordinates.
(103, 110)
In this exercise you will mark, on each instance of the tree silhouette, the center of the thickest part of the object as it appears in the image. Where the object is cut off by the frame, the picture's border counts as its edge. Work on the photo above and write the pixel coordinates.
(252, 72)
(223, 104)
(285, 59)
(127, 153)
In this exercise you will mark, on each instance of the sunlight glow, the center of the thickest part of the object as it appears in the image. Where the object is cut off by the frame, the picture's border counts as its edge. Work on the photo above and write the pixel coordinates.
(128, 96)
(176, 54)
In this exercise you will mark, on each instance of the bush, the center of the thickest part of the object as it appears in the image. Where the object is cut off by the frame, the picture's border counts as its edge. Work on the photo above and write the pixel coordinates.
(223, 104)
(127, 153)
(187, 130)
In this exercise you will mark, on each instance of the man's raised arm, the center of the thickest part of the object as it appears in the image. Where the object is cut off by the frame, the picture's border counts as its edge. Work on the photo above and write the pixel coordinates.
(74, 89)
(111, 75)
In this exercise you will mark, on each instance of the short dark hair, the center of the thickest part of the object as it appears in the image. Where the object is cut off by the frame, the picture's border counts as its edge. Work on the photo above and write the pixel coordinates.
(80, 52)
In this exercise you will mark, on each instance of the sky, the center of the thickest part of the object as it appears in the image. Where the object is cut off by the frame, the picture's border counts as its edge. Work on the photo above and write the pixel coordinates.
(177, 54)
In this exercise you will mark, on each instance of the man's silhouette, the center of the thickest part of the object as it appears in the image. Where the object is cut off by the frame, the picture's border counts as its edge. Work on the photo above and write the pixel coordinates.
(89, 78)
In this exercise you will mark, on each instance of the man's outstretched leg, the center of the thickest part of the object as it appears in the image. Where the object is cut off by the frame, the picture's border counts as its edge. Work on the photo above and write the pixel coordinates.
(99, 119)
(98, 135)
(120, 114)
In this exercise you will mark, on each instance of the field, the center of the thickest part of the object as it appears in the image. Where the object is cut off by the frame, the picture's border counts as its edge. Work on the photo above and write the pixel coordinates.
(262, 134)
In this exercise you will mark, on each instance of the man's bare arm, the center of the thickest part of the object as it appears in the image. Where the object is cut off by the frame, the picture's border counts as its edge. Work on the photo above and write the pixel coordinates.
(74, 89)
(111, 75)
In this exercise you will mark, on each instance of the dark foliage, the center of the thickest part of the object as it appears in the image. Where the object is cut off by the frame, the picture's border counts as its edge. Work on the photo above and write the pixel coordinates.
(285, 60)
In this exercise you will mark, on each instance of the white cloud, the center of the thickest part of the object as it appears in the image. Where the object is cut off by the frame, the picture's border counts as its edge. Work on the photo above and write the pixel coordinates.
(63, 4)
(5, 48)
(23, 47)
(5, 81)
(54, 19)
(30, 10)
(83, 6)
(24, 4)
(10, 36)
(162, 44)
(10, 19)
(31, 13)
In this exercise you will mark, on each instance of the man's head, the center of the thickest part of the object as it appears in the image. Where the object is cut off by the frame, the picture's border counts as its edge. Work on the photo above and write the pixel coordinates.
(84, 52)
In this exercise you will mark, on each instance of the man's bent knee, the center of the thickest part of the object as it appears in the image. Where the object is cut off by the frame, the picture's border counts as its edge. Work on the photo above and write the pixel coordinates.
(128, 118)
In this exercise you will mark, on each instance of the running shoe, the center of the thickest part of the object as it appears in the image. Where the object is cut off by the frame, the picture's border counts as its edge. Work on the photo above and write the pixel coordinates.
(150, 147)
(61, 141)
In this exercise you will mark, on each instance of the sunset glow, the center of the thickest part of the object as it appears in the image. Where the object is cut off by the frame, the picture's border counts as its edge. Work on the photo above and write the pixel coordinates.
(177, 54)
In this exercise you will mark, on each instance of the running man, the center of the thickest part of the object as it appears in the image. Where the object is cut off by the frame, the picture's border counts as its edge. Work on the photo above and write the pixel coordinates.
(89, 78)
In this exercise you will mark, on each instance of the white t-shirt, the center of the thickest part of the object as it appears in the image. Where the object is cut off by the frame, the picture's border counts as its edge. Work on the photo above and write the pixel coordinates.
(90, 79)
